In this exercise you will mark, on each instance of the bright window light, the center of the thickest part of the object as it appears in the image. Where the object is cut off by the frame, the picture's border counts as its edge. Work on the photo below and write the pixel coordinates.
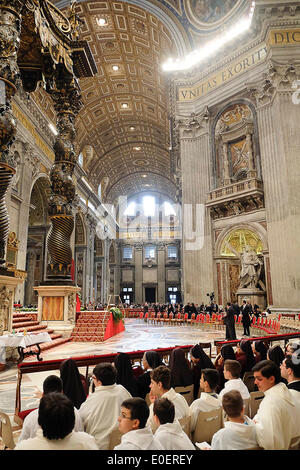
(168, 209)
(149, 205)
(130, 211)
(198, 55)
(53, 129)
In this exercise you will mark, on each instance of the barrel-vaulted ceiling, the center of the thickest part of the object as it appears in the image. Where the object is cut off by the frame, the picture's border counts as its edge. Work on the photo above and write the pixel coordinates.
(123, 129)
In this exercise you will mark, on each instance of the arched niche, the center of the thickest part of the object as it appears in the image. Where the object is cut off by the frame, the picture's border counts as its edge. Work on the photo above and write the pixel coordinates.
(80, 231)
(235, 144)
(99, 247)
(112, 254)
(228, 248)
(38, 226)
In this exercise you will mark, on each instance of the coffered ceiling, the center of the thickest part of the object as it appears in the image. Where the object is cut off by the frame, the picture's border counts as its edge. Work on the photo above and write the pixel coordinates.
(123, 129)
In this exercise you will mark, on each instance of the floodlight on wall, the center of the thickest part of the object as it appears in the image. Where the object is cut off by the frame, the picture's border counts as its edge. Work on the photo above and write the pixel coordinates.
(208, 49)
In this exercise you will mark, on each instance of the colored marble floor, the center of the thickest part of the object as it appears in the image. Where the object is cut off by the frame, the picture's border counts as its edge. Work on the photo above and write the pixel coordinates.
(137, 335)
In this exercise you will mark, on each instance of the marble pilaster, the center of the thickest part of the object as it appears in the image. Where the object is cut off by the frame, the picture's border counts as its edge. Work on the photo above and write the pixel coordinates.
(196, 246)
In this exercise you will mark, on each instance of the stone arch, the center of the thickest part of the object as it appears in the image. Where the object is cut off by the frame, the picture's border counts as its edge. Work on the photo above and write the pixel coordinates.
(256, 228)
(38, 227)
(227, 262)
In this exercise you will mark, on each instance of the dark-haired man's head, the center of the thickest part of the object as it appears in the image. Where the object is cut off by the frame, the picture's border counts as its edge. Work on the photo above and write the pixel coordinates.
(233, 405)
(290, 368)
(134, 414)
(160, 380)
(163, 411)
(56, 415)
(209, 380)
(52, 383)
(104, 374)
(266, 375)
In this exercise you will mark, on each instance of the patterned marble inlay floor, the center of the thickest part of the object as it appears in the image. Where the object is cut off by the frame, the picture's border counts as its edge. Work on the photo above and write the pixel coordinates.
(138, 335)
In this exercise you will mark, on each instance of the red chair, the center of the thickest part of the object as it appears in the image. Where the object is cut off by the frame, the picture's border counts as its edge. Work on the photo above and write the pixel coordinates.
(179, 319)
(185, 318)
(196, 320)
(254, 321)
(193, 316)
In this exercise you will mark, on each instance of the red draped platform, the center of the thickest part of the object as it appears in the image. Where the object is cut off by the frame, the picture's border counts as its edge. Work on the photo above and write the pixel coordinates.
(96, 326)
(113, 328)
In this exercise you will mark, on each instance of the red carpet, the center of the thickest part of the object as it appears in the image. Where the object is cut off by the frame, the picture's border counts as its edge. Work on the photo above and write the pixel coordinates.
(95, 326)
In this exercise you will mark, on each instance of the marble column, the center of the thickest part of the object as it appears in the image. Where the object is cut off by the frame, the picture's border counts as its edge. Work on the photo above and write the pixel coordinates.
(197, 243)
(226, 175)
(105, 272)
(138, 274)
(89, 272)
(161, 273)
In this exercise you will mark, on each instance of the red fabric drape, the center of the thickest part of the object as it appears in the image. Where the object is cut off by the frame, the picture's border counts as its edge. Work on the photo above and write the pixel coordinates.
(113, 328)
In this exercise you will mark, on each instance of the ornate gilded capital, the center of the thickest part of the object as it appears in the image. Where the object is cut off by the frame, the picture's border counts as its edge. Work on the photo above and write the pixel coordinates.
(278, 78)
(193, 125)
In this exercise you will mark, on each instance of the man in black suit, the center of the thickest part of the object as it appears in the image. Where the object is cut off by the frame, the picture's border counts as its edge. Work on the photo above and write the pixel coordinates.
(246, 312)
(290, 370)
(229, 322)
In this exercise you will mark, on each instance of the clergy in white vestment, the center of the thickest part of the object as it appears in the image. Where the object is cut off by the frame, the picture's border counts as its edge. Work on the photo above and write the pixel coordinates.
(209, 399)
(278, 417)
(169, 434)
(56, 419)
(52, 383)
(232, 370)
(100, 411)
(235, 436)
(160, 387)
(132, 424)
(239, 432)
(31, 425)
(73, 441)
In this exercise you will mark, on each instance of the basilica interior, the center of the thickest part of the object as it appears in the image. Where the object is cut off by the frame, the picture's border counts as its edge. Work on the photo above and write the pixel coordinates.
(149, 154)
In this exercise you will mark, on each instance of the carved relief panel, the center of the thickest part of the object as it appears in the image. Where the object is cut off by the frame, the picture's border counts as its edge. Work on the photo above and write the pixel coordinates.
(234, 147)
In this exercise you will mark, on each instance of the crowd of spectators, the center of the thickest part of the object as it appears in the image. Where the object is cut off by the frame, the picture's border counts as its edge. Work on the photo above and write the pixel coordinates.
(149, 412)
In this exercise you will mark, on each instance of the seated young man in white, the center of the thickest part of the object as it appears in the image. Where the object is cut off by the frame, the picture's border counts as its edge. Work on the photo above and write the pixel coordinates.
(56, 417)
(169, 434)
(160, 386)
(132, 424)
(209, 399)
(232, 372)
(52, 383)
(239, 432)
(100, 411)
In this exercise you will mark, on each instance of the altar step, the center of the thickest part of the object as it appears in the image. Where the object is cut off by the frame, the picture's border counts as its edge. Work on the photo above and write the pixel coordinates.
(90, 326)
(28, 322)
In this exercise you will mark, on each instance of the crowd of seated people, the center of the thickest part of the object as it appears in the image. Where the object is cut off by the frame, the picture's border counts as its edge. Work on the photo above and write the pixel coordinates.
(67, 418)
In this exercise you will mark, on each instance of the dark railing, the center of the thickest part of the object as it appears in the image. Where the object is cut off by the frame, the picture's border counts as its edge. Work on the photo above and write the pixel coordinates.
(83, 361)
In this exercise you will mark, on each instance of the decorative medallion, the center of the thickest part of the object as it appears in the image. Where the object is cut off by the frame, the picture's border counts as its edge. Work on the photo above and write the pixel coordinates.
(205, 14)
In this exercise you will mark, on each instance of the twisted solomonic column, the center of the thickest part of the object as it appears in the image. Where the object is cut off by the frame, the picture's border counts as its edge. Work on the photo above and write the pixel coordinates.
(67, 102)
(10, 26)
